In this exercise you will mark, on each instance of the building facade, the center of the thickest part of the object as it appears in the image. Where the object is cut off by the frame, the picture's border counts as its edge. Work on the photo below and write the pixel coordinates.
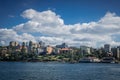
(107, 48)
(13, 43)
(49, 50)
(85, 50)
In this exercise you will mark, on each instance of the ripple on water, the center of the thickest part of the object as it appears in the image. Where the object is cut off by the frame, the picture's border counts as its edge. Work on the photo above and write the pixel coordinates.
(58, 71)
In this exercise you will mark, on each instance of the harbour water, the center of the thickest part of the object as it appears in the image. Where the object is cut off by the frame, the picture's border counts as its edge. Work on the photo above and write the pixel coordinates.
(58, 71)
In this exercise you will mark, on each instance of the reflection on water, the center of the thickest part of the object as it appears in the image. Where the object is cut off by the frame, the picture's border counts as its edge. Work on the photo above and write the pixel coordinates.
(58, 71)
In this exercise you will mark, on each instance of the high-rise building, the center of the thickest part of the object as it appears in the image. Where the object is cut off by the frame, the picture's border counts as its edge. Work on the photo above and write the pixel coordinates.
(13, 43)
(23, 44)
(118, 53)
(42, 44)
(107, 48)
(85, 50)
(33, 47)
(30, 43)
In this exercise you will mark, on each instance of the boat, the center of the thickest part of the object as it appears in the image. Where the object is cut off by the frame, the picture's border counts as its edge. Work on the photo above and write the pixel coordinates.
(108, 60)
(89, 60)
(85, 60)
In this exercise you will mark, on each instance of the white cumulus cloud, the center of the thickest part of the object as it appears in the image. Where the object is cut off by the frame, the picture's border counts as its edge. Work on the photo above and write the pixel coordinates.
(50, 28)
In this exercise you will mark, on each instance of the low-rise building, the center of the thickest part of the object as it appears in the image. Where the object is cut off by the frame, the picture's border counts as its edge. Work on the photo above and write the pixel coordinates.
(49, 50)
(63, 45)
(65, 50)
(56, 50)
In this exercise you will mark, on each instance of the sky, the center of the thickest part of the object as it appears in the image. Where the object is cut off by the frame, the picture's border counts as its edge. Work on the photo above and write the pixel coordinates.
(76, 22)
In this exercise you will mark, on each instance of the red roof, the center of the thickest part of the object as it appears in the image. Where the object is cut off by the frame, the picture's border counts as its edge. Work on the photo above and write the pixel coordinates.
(65, 49)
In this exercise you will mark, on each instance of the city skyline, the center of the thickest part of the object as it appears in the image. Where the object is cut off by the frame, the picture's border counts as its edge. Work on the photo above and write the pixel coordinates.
(91, 23)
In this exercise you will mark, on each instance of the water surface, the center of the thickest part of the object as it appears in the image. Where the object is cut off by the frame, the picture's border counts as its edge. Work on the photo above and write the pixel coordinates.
(58, 71)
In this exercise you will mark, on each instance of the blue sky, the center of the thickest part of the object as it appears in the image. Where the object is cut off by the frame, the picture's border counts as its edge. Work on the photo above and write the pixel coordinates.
(71, 11)
(75, 14)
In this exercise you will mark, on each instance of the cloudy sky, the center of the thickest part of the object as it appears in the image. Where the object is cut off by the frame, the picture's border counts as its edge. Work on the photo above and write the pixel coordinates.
(75, 22)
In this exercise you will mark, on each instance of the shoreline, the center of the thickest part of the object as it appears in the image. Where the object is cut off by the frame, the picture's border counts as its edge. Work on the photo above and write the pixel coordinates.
(63, 62)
